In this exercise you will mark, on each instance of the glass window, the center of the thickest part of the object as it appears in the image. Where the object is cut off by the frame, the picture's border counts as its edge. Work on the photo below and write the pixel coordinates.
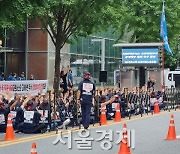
(89, 58)
(111, 49)
(85, 63)
(110, 70)
(117, 52)
(85, 46)
(91, 65)
(97, 67)
(73, 48)
(79, 46)
(18, 41)
(76, 67)
(1, 62)
(96, 49)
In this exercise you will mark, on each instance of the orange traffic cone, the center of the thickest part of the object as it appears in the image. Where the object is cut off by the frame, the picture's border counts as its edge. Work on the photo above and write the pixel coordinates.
(118, 114)
(9, 130)
(103, 119)
(33, 149)
(124, 149)
(172, 131)
(156, 108)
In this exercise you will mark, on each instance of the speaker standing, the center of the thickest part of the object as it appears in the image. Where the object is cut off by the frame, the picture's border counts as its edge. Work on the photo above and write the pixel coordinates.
(85, 97)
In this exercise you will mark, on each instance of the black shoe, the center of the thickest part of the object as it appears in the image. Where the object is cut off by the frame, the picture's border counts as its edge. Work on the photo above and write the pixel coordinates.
(86, 127)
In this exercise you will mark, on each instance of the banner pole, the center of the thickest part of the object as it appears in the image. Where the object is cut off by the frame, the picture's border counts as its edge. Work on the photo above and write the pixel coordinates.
(163, 84)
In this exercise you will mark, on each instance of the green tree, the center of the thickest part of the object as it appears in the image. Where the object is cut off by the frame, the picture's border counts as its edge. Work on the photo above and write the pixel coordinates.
(64, 18)
(140, 20)
(143, 18)
(14, 14)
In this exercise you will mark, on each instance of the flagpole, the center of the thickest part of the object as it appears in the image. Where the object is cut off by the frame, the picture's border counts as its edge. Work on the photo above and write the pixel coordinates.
(163, 84)
(163, 34)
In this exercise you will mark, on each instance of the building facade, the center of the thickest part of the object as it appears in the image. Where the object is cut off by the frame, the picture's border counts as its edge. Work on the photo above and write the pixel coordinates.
(33, 52)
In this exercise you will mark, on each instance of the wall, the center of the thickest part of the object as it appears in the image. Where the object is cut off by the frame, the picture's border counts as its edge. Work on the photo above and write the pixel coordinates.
(36, 50)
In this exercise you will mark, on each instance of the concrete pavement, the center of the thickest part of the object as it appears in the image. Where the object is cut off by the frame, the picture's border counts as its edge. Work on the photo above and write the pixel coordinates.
(150, 132)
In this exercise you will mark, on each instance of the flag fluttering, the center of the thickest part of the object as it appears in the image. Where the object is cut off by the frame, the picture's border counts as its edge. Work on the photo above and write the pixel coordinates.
(163, 32)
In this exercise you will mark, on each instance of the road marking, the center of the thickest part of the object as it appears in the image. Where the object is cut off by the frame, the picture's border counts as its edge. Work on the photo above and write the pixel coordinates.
(51, 134)
(178, 137)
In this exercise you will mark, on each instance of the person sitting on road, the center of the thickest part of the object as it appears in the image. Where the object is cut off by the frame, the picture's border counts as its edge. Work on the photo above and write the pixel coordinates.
(30, 116)
(44, 110)
(5, 108)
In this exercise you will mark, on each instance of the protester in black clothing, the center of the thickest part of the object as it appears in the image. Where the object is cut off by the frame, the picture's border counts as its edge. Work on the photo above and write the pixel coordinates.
(151, 83)
(6, 106)
(63, 84)
(29, 116)
(85, 97)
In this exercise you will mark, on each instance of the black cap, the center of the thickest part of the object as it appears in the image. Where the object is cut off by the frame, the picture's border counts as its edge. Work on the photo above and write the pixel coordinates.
(86, 75)
(30, 102)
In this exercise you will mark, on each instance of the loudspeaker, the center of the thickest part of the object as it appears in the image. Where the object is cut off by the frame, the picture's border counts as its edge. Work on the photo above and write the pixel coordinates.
(103, 76)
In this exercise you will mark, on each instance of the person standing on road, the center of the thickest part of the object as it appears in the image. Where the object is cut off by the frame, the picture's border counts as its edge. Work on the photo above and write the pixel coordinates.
(85, 97)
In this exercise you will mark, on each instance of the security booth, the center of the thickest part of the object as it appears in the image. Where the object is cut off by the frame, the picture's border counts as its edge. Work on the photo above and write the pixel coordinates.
(139, 62)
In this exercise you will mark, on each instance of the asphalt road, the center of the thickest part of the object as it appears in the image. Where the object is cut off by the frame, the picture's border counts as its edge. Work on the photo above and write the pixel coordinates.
(150, 132)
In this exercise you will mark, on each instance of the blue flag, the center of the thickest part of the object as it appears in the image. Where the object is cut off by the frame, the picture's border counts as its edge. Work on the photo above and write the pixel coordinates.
(163, 32)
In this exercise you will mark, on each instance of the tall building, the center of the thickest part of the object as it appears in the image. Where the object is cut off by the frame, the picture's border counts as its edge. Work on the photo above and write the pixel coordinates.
(33, 52)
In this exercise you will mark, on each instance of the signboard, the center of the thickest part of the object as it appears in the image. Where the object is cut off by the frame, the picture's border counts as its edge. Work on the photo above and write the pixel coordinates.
(24, 87)
(140, 56)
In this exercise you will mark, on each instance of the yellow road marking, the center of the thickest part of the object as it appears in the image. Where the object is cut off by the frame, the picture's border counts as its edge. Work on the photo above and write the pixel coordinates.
(51, 134)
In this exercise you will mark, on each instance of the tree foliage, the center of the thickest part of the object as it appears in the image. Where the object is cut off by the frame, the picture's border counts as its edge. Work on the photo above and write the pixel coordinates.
(64, 18)
(14, 14)
(137, 21)
(61, 19)
(143, 17)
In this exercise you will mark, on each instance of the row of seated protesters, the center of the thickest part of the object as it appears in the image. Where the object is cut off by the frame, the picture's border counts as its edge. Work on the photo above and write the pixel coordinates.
(35, 114)
(137, 101)
(30, 114)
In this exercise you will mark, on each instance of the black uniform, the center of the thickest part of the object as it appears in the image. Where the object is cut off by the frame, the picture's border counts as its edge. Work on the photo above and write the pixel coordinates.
(29, 117)
(87, 89)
